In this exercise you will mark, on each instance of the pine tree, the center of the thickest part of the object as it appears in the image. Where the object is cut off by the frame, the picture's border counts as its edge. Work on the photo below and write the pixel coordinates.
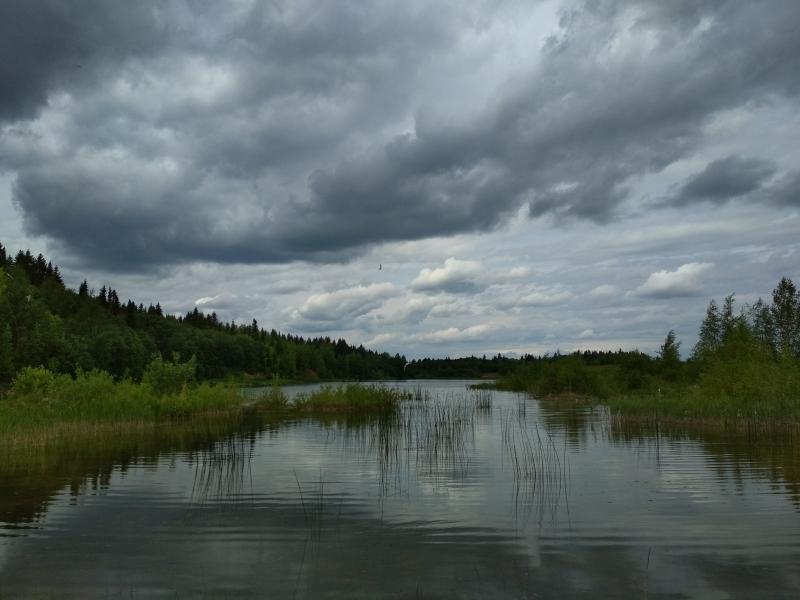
(710, 334)
(669, 353)
(786, 316)
(762, 324)
(727, 321)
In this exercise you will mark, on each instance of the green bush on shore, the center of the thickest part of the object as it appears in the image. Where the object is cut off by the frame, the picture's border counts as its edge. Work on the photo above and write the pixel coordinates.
(38, 395)
(168, 390)
(742, 367)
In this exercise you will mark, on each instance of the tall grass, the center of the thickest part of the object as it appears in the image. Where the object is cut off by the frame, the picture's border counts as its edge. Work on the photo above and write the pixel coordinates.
(40, 397)
(539, 466)
(351, 398)
(739, 383)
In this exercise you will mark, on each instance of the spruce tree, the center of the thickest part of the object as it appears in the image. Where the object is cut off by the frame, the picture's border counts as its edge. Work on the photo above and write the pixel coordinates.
(710, 333)
(786, 316)
(727, 321)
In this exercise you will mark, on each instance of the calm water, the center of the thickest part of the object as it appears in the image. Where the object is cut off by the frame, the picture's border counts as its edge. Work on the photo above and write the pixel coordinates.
(456, 499)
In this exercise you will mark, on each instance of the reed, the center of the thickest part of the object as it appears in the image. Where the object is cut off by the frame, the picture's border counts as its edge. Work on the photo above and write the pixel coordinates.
(345, 399)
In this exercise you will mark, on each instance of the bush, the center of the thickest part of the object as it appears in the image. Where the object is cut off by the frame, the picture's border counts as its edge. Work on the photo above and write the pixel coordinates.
(33, 382)
(166, 377)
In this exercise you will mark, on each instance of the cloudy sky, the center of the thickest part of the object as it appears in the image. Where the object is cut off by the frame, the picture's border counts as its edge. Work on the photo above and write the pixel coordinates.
(425, 177)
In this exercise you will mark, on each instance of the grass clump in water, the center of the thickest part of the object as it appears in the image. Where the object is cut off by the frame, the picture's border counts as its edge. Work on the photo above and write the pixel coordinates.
(350, 399)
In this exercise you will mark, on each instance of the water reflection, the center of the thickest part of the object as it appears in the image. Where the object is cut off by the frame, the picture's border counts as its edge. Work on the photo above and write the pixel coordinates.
(460, 494)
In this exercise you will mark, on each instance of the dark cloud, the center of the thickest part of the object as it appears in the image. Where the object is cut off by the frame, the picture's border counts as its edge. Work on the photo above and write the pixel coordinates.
(786, 191)
(270, 133)
(725, 179)
(48, 46)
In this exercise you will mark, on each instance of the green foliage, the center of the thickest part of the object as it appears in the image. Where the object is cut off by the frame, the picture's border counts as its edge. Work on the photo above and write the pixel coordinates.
(165, 377)
(670, 357)
(741, 368)
(66, 331)
(40, 396)
(6, 354)
(460, 368)
(349, 398)
(33, 382)
(576, 374)
(710, 335)
(786, 317)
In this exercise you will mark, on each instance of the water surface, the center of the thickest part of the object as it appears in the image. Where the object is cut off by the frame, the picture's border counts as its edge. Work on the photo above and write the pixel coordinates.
(462, 496)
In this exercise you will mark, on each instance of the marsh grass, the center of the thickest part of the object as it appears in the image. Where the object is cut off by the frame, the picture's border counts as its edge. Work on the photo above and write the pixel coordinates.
(350, 398)
(430, 434)
(223, 470)
(482, 400)
(342, 400)
(540, 467)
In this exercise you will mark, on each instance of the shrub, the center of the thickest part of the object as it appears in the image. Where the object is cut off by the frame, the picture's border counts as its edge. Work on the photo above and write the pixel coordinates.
(165, 377)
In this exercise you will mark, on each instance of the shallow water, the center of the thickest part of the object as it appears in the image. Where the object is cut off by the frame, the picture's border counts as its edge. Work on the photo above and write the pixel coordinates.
(517, 499)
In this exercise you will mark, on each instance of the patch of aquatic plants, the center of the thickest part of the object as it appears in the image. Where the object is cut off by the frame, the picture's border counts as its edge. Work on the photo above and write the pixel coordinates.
(39, 397)
(431, 434)
(336, 401)
(540, 467)
(222, 470)
(484, 385)
(350, 398)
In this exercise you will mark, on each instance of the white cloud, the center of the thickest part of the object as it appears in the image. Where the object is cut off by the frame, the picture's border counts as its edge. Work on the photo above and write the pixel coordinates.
(519, 273)
(220, 301)
(605, 291)
(456, 276)
(686, 280)
(585, 334)
(380, 340)
(346, 303)
(454, 334)
(537, 297)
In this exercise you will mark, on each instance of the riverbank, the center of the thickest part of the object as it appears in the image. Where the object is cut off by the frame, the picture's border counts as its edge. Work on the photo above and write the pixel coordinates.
(685, 407)
(42, 406)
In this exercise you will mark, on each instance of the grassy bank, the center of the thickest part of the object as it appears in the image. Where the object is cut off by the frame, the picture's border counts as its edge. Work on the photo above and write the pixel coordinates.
(751, 388)
(40, 397)
(41, 406)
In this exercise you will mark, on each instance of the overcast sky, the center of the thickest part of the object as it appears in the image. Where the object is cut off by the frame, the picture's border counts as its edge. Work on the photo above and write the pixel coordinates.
(424, 177)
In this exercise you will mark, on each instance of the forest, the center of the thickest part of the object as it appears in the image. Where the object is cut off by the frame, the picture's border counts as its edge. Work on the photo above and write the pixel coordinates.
(45, 323)
(746, 361)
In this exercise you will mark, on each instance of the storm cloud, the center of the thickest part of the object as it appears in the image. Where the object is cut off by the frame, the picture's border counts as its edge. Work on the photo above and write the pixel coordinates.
(144, 134)
(725, 179)
(428, 177)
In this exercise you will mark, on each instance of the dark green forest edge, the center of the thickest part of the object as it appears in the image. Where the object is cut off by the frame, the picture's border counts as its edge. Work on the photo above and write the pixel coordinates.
(745, 368)
(78, 355)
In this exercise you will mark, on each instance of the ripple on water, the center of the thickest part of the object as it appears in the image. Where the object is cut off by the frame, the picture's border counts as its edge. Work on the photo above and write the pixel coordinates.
(518, 500)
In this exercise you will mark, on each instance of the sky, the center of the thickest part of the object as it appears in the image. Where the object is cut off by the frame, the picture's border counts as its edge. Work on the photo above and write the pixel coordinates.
(434, 178)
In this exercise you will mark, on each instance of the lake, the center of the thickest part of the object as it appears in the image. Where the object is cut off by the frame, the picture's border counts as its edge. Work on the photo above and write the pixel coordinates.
(465, 494)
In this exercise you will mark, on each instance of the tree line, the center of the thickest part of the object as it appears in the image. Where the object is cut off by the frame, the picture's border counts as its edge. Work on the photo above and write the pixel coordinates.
(745, 362)
(45, 323)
